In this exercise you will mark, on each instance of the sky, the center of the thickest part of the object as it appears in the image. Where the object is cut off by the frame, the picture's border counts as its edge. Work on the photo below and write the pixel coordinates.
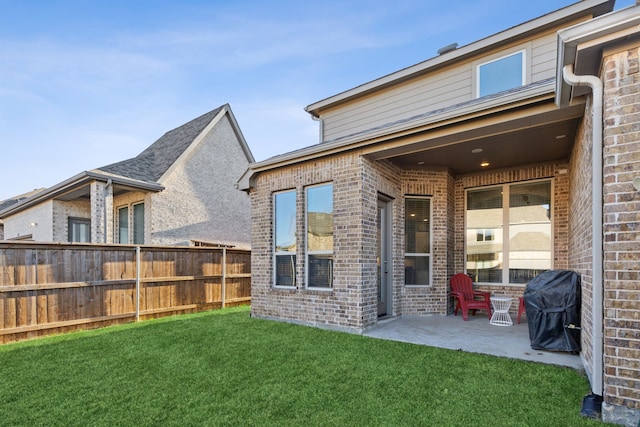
(86, 83)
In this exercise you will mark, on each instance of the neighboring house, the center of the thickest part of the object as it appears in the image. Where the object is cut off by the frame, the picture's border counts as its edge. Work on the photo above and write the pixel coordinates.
(180, 190)
(480, 160)
(4, 204)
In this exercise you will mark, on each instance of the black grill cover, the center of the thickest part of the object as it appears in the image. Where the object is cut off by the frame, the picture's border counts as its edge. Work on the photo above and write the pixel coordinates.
(552, 302)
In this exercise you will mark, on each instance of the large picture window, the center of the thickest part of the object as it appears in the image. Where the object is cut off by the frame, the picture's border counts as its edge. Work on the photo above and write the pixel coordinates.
(508, 232)
(501, 74)
(284, 224)
(417, 241)
(319, 226)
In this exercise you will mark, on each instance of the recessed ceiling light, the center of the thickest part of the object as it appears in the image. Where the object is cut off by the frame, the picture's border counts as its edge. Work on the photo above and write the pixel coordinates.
(477, 150)
(421, 163)
(484, 164)
(560, 136)
(413, 214)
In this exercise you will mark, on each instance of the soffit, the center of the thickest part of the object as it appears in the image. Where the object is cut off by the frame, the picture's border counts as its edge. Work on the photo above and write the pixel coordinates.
(535, 135)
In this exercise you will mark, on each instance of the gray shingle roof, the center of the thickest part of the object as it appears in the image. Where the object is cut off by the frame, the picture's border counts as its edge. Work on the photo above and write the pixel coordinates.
(154, 161)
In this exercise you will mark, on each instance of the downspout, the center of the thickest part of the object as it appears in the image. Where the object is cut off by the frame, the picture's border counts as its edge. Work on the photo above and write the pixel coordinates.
(596, 86)
(320, 127)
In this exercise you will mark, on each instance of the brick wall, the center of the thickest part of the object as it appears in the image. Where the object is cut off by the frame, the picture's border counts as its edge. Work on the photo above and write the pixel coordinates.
(61, 213)
(621, 223)
(200, 200)
(350, 304)
(432, 299)
(580, 228)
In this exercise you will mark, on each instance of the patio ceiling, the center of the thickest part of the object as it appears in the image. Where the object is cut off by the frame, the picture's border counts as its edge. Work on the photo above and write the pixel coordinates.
(503, 140)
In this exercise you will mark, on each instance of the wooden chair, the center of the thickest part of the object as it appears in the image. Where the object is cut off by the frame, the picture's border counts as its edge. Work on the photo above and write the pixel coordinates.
(468, 298)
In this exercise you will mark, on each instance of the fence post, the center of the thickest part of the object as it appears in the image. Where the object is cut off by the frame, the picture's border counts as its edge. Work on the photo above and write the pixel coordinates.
(224, 274)
(137, 283)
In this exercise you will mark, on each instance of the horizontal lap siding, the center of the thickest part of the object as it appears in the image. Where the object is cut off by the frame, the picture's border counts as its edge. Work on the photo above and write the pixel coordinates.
(401, 102)
(444, 88)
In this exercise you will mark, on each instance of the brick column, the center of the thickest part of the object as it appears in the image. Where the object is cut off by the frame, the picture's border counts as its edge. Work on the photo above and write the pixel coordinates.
(101, 212)
(621, 236)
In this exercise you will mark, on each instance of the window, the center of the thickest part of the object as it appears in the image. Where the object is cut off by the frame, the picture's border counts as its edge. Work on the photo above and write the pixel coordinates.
(319, 225)
(417, 241)
(125, 231)
(123, 225)
(138, 224)
(501, 74)
(514, 220)
(284, 224)
(79, 230)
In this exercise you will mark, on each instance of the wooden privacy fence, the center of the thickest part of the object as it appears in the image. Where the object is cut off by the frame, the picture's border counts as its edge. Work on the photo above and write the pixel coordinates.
(54, 288)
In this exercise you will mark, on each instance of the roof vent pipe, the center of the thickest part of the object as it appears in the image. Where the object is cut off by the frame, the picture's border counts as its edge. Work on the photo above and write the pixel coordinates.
(449, 48)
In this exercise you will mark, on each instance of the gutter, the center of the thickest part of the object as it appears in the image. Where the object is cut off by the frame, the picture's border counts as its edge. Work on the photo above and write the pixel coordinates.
(596, 86)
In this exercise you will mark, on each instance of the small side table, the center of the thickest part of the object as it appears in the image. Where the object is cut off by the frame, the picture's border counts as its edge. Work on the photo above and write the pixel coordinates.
(500, 316)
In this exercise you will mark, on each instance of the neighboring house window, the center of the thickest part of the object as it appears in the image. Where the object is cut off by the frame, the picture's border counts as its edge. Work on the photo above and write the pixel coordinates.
(284, 224)
(417, 241)
(79, 230)
(138, 224)
(319, 225)
(123, 225)
(131, 230)
(501, 74)
(508, 232)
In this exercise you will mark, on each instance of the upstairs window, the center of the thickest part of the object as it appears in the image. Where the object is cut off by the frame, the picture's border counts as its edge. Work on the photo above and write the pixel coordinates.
(506, 72)
(284, 231)
(319, 236)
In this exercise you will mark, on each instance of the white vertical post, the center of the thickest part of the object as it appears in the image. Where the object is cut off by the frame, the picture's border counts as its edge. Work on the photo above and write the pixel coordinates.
(137, 283)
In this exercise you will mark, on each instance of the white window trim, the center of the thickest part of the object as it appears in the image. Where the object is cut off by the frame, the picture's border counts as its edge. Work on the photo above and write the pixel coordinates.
(430, 254)
(273, 247)
(505, 216)
(526, 69)
(306, 243)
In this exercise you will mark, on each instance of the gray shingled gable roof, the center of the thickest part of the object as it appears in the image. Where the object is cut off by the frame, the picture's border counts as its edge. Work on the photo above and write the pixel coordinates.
(154, 161)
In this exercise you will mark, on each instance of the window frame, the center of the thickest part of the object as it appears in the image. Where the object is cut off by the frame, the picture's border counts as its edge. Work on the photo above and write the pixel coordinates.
(420, 254)
(505, 229)
(135, 225)
(525, 72)
(276, 253)
(81, 221)
(131, 223)
(307, 252)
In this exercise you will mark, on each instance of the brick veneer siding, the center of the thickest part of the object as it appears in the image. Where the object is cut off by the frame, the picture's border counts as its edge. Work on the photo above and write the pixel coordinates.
(558, 172)
(200, 200)
(433, 299)
(350, 304)
(581, 230)
(61, 213)
(621, 223)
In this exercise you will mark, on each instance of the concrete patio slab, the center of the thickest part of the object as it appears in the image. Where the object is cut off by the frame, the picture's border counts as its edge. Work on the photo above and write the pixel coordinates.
(475, 335)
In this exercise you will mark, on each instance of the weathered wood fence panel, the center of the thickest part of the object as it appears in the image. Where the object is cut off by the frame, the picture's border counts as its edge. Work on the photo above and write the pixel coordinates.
(53, 288)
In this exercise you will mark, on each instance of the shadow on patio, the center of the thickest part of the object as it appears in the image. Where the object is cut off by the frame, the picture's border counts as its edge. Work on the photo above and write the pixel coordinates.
(475, 335)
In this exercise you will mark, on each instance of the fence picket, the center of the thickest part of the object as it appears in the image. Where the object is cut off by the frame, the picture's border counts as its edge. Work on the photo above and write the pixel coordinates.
(52, 288)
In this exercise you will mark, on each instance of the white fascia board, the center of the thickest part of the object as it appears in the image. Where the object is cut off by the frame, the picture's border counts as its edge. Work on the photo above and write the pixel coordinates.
(598, 31)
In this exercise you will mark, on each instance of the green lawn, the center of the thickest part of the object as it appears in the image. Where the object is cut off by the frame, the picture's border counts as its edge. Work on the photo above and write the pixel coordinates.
(225, 368)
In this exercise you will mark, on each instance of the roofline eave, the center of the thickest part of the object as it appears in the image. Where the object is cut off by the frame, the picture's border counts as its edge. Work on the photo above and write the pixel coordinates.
(76, 181)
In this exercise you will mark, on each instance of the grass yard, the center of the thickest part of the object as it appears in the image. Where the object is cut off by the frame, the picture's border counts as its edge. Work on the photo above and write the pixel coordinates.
(225, 368)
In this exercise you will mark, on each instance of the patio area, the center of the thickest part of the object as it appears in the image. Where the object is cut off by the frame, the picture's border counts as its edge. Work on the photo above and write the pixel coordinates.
(475, 335)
